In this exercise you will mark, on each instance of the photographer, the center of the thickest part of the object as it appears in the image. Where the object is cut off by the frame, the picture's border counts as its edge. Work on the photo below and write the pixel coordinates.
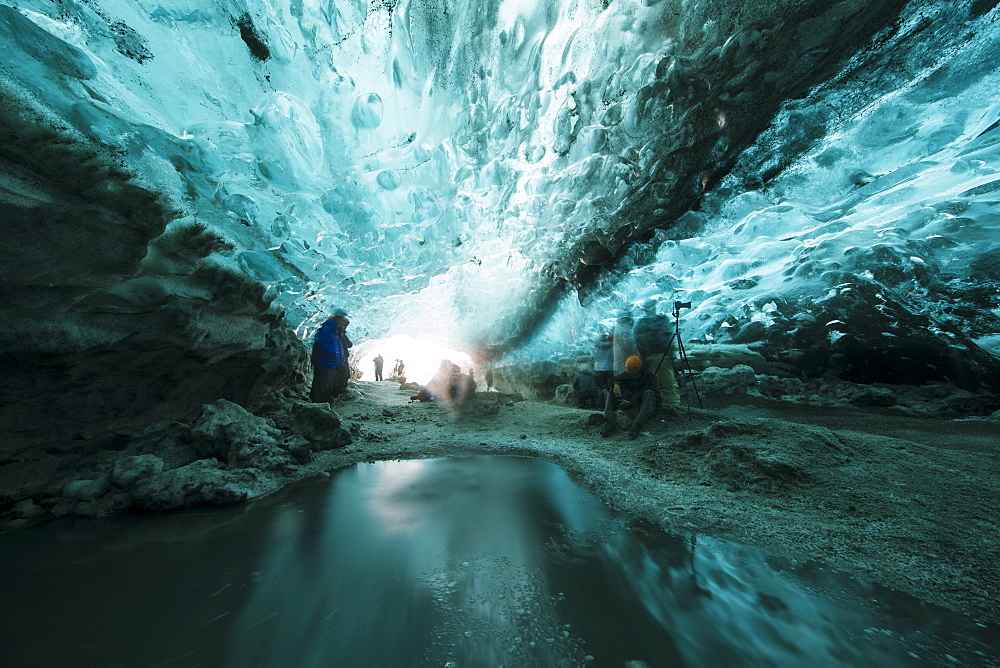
(654, 340)
(636, 392)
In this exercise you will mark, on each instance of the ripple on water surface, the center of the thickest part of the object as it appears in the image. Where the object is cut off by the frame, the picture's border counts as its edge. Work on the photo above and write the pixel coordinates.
(481, 561)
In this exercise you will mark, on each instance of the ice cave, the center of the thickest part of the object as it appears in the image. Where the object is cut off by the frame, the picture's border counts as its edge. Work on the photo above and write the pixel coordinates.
(807, 193)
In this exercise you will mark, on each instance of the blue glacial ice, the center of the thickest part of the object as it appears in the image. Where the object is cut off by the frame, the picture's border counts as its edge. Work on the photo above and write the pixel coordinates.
(500, 177)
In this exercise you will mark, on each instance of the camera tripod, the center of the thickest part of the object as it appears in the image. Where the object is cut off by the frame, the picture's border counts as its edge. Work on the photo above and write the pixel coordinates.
(676, 335)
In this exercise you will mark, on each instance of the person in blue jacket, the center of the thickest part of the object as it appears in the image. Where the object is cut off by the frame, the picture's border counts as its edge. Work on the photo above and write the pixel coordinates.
(329, 358)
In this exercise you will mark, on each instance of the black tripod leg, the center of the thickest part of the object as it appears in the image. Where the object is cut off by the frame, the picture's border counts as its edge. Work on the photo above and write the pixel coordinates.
(687, 363)
(684, 357)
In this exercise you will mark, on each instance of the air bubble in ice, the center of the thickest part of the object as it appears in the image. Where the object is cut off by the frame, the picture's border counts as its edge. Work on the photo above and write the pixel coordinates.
(367, 112)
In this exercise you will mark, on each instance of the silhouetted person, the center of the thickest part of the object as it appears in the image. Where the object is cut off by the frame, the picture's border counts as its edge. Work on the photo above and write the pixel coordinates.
(636, 392)
(378, 366)
(585, 390)
(655, 343)
(331, 370)
(604, 357)
(489, 379)
(624, 341)
(448, 385)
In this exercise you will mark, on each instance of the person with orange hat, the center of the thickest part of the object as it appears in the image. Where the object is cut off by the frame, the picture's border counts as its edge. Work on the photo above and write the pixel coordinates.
(637, 392)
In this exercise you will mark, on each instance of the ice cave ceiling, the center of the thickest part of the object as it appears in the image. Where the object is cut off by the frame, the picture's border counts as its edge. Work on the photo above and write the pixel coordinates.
(191, 178)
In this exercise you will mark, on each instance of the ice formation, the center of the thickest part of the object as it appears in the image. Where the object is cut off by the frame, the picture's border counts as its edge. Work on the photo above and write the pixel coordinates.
(198, 178)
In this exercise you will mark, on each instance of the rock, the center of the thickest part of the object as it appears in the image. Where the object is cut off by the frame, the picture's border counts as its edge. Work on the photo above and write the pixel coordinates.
(725, 356)
(129, 470)
(490, 410)
(263, 456)
(879, 336)
(299, 448)
(319, 425)
(350, 394)
(223, 424)
(738, 380)
(27, 509)
(785, 370)
(750, 333)
(86, 489)
(874, 396)
(564, 394)
(170, 441)
(200, 482)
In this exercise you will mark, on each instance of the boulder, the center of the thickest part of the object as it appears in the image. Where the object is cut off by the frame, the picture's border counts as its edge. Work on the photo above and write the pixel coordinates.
(564, 394)
(319, 425)
(128, 471)
(299, 448)
(27, 509)
(874, 396)
(724, 356)
(84, 490)
(199, 483)
(738, 380)
(223, 424)
(263, 456)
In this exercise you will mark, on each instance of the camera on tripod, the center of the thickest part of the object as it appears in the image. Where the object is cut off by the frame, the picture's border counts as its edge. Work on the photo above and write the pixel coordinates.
(676, 336)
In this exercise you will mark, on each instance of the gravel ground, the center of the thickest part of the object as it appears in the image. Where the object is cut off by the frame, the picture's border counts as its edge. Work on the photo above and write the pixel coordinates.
(906, 502)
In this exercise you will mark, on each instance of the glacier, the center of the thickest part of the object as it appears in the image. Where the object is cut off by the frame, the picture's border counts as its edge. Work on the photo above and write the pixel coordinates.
(189, 187)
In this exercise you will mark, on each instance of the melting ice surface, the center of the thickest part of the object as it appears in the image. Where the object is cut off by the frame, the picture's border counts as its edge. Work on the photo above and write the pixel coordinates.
(446, 168)
(485, 561)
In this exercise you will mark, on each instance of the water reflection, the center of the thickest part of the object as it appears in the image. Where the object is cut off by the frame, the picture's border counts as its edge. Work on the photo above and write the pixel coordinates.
(483, 561)
(430, 561)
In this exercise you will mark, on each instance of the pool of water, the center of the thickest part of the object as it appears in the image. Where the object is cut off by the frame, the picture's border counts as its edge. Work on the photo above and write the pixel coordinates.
(472, 562)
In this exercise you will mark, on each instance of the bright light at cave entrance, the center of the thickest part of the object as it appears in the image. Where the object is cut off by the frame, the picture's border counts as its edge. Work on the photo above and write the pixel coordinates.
(422, 358)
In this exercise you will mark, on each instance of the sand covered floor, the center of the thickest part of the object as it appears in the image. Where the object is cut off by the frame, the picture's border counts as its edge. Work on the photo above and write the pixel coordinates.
(910, 503)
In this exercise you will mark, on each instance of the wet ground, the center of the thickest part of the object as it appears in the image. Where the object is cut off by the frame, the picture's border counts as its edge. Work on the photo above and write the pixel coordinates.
(477, 561)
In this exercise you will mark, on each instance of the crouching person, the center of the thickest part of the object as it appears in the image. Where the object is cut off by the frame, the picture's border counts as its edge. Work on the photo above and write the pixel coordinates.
(636, 392)
(449, 385)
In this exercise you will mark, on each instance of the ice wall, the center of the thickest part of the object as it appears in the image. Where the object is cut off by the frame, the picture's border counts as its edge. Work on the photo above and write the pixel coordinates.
(858, 235)
(805, 172)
